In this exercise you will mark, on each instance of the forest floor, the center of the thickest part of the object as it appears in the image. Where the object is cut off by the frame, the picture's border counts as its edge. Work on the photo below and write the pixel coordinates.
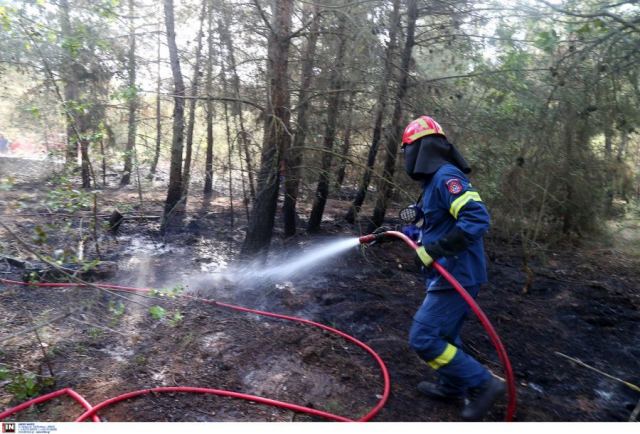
(584, 303)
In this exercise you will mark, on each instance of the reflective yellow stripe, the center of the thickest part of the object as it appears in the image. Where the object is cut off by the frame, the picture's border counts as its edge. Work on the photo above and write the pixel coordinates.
(443, 359)
(424, 256)
(457, 204)
(423, 123)
(421, 134)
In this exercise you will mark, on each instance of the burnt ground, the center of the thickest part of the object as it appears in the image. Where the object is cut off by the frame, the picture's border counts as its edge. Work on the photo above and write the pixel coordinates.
(584, 302)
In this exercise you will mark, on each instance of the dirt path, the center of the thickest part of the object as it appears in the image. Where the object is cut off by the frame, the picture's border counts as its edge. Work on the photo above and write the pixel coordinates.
(584, 303)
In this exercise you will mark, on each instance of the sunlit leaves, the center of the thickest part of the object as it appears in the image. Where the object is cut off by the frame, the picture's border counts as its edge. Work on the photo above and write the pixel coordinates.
(72, 46)
(5, 21)
(108, 8)
(126, 93)
(546, 40)
(34, 111)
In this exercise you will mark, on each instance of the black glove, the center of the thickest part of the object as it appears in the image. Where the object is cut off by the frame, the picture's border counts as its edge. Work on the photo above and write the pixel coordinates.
(380, 232)
(449, 245)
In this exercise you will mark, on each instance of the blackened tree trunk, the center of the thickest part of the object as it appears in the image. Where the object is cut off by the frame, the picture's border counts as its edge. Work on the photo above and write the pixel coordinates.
(381, 106)
(132, 99)
(174, 191)
(208, 166)
(156, 154)
(385, 186)
(335, 83)
(186, 174)
(346, 144)
(293, 160)
(276, 132)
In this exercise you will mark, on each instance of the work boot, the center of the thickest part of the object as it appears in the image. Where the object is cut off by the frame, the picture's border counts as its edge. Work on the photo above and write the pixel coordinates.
(480, 399)
(439, 391)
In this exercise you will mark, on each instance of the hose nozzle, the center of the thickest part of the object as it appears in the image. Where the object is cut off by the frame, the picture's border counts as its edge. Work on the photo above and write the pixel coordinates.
(373, 237)
(366, 239)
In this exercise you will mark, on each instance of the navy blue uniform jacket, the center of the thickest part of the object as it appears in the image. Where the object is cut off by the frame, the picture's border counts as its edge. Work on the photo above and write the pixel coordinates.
(449, 200)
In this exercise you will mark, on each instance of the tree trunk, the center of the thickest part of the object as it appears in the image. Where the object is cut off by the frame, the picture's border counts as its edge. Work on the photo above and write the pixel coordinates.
(84, 156)
(133, 99)
(385, 186)
(276, 132)
(624, 140)
(294, 159)
(225, 88)
(225, 35)
(156, 155)
(174, 191)
(381, 106)
(245, 198)
(186, 174)
(103, 158)
(569, 133)
(208, 166)
(346, 144)
(71, 91)
(610, 175)
(335, 83)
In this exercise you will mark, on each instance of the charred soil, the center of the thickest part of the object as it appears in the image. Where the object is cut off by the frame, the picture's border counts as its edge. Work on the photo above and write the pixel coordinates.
(584, 303)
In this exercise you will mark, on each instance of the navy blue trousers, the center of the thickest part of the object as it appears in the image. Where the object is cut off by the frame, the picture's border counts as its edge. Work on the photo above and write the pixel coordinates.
(435, 336)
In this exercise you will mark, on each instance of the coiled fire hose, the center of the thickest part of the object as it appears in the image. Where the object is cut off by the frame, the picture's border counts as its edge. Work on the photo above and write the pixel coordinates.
(493, 335)
(91, 411)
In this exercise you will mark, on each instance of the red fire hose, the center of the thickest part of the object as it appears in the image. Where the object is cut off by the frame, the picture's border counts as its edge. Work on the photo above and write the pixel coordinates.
(495, 339)
(91, 411)
(42, 398)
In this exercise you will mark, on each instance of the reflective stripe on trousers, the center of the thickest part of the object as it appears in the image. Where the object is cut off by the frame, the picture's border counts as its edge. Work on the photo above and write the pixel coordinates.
(435, 336)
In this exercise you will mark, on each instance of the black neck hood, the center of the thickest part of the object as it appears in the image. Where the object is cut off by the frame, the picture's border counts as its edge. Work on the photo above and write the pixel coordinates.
(423, 158)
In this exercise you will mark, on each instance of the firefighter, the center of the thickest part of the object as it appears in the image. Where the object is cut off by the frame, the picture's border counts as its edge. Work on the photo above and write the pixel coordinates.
(455, 220)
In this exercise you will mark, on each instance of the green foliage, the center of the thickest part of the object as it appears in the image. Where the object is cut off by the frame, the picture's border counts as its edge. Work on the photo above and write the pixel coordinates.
(124, 208)
(72, 45)
(33, 277)
(547, 40)
(27, 385)
(157, 312)
(116, 309)
(176, 319)
(90, 265)
(34, 111)
(40, 235)
(108, 8)
(168, 292)
(127, 93)
(6, 183)
(95, 333)
(5, 19)
(64, 197)
(79, 107)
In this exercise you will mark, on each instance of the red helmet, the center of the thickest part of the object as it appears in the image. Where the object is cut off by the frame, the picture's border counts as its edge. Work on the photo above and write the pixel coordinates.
(423, 126)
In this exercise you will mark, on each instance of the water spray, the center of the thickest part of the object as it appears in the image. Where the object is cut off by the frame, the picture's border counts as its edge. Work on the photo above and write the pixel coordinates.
(495, 339)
